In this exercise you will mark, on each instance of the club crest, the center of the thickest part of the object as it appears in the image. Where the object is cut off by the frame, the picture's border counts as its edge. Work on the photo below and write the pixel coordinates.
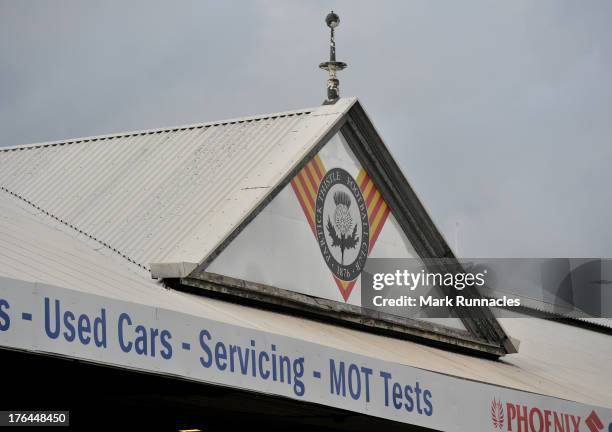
(346, 216)
(342, 225)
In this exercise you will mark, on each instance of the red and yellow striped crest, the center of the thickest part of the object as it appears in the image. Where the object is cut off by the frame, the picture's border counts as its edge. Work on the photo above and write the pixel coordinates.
(306, 185)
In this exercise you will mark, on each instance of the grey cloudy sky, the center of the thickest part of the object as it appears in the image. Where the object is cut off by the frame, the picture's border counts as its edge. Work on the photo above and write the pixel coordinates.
(500, 113)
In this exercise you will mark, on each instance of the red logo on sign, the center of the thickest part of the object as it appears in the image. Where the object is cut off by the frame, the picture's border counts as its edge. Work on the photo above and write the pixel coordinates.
(593, 422)
(497, 414)
(523, 418)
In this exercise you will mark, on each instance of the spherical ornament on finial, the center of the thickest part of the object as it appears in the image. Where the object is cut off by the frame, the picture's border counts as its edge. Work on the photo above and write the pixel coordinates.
(332, 20)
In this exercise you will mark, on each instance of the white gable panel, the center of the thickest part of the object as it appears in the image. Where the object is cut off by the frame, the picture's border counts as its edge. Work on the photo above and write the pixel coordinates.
(279, 247)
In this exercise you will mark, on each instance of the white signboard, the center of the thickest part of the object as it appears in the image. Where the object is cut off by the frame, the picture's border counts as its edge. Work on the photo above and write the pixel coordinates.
(43, 318)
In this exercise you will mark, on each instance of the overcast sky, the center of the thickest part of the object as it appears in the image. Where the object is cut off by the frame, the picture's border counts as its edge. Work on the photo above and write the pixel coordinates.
(499, 113)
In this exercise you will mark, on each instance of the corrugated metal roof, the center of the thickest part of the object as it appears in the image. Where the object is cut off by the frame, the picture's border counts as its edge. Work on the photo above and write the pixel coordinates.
(35, 247)
(166, 195)
(555, 359)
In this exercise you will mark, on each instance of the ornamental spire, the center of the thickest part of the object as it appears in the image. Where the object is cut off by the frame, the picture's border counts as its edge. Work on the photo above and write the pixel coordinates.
(332, 66)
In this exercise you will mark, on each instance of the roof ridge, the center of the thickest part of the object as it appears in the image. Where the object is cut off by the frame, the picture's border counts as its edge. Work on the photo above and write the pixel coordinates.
(247, 119)
(74, 228)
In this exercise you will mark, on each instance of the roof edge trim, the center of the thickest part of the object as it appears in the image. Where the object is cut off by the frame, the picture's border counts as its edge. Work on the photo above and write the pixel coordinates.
(370, 149)
(171, 270)
(265, 296)
(157, 130)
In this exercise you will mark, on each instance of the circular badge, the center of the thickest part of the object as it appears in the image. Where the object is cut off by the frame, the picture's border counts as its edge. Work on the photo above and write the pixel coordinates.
(342, 225)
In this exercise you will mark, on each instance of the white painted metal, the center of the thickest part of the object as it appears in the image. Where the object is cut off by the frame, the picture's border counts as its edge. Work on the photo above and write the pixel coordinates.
(166, 195)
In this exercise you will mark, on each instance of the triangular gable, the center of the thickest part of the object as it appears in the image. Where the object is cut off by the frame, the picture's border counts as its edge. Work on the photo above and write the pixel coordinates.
(286, 244)
(283, 245)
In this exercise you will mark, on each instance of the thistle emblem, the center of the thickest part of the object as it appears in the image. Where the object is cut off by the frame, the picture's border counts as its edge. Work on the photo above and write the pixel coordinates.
(342, 232)
(341, 224)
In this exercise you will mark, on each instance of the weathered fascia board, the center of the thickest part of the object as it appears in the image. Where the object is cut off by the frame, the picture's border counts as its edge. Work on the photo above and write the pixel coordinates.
(342, 313)
(171, 270)
(368, 146)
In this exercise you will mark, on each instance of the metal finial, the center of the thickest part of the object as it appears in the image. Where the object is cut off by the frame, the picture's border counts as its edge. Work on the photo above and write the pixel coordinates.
(332, 66)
